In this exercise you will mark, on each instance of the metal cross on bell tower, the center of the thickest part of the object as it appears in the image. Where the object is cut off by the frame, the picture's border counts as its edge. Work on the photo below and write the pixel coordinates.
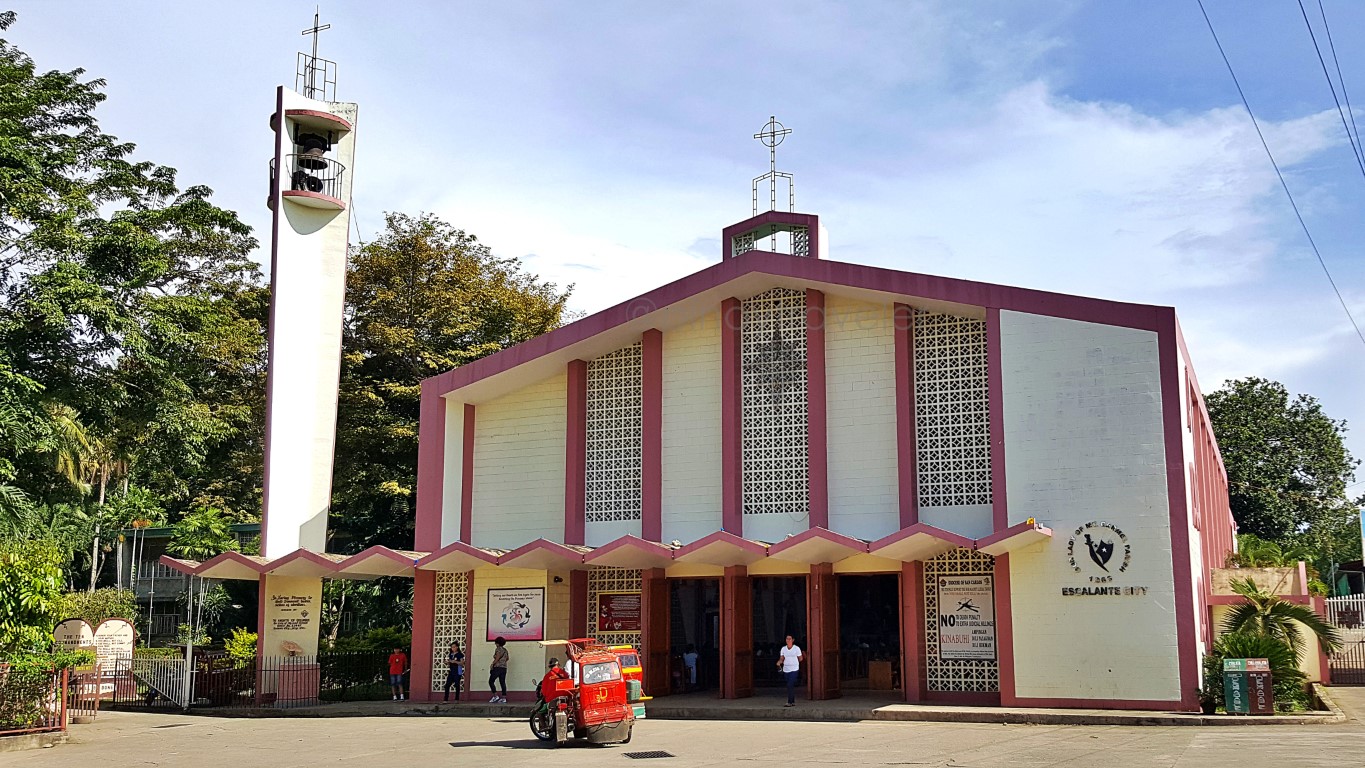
(313, 68)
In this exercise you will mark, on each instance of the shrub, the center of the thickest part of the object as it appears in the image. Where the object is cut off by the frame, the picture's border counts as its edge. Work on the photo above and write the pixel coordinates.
(380, 639)
(241, 646)
(1290, 684)
(26, 686)
(99, 605)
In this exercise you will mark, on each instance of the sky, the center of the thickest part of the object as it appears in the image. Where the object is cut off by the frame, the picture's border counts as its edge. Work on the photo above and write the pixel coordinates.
(1096, 148)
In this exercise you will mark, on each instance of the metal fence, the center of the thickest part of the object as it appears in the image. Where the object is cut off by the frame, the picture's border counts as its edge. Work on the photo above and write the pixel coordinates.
(1348, 663)
(1347, 612)
(221, 681)
(32, 702)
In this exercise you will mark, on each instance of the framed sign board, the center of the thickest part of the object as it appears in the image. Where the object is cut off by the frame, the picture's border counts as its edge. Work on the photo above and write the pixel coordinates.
(618, 612)
(516, 614)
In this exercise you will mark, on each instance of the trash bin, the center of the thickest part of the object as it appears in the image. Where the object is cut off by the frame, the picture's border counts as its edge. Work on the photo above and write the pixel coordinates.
(1247, 687)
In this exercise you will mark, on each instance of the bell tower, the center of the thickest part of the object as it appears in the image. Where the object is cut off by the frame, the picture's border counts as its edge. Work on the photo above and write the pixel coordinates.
(310, 193)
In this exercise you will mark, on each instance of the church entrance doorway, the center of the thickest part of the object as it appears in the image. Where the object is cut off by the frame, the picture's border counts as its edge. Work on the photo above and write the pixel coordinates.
(694, 634)
(779, 609)
(869, 631)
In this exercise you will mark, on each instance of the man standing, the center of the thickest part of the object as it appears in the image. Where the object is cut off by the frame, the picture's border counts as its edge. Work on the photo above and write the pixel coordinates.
(789, 661)
(398, 666)
(497, 671)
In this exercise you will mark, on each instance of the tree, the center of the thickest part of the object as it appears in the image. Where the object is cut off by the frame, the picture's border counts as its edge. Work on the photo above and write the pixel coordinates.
(202, 534)
(1288, 467)
(423, 298)
(1264, 613)
(30, 594)
(128, 306)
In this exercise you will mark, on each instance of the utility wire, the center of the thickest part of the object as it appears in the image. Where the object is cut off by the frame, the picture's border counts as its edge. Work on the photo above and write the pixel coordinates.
(1276, 166)
(1337, 62)
(1355, 146)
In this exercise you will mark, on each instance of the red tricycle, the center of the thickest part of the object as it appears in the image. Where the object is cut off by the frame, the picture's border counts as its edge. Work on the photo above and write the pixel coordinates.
(588, 701)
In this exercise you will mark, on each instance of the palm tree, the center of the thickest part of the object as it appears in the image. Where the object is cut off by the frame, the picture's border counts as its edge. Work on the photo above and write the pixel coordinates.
(1266, 614)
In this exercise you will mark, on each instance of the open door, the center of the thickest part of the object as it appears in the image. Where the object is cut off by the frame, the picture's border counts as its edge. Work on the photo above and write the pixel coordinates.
(654, 638)
(736, 634)
(824, 632)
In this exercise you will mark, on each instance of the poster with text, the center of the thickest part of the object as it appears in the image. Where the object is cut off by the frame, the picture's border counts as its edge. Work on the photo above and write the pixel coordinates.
(618, 612)
(966, 617)
(72, 635)
(516, 614)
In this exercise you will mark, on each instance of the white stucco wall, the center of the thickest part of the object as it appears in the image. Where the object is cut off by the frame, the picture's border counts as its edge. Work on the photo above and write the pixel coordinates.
(526, 658)
(860, 386)
(1084, 442)
(519, 465)
(691, 486)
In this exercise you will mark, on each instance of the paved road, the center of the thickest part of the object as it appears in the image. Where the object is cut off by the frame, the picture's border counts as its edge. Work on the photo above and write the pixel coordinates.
(138, 739)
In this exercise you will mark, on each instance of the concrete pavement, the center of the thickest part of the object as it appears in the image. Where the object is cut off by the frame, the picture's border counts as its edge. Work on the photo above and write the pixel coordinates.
(148, 739)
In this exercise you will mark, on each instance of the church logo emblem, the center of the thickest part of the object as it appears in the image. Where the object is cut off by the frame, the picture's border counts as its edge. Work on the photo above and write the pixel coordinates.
(1100, 547)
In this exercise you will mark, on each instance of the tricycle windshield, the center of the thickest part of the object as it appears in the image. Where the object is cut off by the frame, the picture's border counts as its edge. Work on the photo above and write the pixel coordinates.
(601, 673)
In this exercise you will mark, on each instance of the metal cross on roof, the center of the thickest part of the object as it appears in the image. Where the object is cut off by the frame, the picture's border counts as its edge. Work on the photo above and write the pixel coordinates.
(772, 134)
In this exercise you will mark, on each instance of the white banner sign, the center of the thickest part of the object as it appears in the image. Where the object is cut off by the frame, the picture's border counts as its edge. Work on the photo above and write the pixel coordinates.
(73, 634)
(516, 614)
(966, 617)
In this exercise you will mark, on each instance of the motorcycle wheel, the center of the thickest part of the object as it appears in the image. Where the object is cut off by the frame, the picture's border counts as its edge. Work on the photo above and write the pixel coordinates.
(542, 727)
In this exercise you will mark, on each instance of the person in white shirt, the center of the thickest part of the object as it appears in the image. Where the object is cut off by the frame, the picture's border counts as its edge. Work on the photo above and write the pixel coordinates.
(690, 665)
(789, 661)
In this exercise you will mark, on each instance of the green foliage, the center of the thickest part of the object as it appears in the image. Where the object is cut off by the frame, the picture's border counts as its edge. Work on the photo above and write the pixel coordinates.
(1266, 614)
(30, 595)
(184, 633)
(158, 653)
(28, 684)
(422, 298)
(99, 605)
(383, 639)
(202, 534)
(131, 320)
(241, 646)
(1288, 468)
(1289, 684)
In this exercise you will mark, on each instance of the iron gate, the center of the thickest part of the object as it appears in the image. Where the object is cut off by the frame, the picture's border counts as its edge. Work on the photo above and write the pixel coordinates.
(1348, 664)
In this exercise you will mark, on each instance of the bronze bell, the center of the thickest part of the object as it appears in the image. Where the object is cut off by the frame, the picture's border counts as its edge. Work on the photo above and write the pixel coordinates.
(311, 150)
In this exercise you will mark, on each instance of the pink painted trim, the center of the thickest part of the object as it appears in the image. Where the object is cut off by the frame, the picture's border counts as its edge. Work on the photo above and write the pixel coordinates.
(261, 593)
(409, 559)
(423, 633)
(817, 534)
(947, 537)
(995, 395)
(1024, 529)
(431, 439)
(467, 477)
(578, 604)
(1239, 600)
(270, 348)
(731, 445)
(721, 537)
(1185, 630)
(570, 555)
(1303, 576)
(461, 547)
(325, 563)
(651, 437)
(250, 561)
(1324, 663)
(817, 435)
(893, 282)
(341, 122)
(903, 329)
(1004, 631)
(576, 454)
(783, 219)
(188, 567)
(912, 632)
(303, 193)
(628, 542)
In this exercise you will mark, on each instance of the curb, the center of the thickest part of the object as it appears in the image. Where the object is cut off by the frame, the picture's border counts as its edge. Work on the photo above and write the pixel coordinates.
(27, 741)
(660, 711)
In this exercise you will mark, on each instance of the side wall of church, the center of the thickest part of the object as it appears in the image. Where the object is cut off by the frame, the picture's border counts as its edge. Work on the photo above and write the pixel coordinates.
(1085, 455)
(691, 486)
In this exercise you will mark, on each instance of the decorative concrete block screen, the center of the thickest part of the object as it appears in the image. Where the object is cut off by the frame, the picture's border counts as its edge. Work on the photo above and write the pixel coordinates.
(955, 675)
(452, 603)
(614, 436)
(952, 415)
(603, 580)
(773, 386)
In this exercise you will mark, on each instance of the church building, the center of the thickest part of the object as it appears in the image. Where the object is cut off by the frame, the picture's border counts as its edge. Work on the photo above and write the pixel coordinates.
(948, 490)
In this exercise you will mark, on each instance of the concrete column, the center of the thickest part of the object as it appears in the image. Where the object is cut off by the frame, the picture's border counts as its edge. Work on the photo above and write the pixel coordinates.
(912, 632)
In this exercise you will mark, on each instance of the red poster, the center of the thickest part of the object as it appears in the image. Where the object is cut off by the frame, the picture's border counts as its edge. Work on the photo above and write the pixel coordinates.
(618, 612)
